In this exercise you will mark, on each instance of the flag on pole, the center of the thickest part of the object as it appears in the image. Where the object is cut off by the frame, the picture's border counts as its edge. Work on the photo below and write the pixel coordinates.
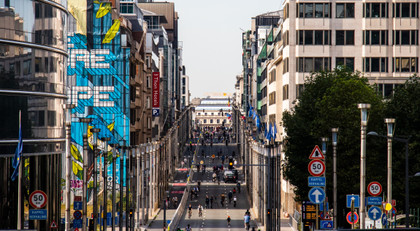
(229, 116)
(274, 132)
(18, 152)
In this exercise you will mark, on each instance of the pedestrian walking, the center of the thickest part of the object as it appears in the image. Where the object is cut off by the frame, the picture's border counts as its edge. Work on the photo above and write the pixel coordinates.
(211, 202)
(207, 201)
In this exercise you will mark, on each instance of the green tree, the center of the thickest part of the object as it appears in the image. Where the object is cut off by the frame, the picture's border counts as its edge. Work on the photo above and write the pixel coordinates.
(330, 100)
(404, 106)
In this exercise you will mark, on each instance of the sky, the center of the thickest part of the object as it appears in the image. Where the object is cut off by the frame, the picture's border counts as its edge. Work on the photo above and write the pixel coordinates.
(211, 32)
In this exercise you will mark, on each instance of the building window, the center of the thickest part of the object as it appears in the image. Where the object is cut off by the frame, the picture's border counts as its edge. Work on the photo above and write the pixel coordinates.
(286, 37)
(313, 37)
(345, 61)
(344, 37)
(218, 121)
(285, 65)
(375, 37)
(375, 64)
(345, 10)
(211, 121)
(311, 64)
(299, 89)
(405, 10)
(405, 37)
(183, 81)
(272, 76)
(148, 85)
(405, 64)
(286, 11)
(375, 10)
(204, 121)
(313, 10)
(126, 8)
(272, 98)
(149, 123)
(286, 92)
(52, 118)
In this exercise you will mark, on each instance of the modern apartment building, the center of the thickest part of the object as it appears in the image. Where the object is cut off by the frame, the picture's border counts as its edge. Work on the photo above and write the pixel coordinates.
(33, 54)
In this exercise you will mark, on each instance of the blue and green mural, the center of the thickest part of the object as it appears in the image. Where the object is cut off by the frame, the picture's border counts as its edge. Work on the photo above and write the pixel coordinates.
(99, 85)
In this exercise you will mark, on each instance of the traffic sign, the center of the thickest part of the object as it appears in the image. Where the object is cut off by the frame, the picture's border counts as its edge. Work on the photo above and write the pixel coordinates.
(77, 214)
(374, 200)
(384, 219)
(78, 205)
(316, 154)
(316, 195)
(38, 199)
(355, 218)
(155, 112)
(394, 202)
(374, 213)
(316, 167)
(327, 217)
(326, 224)
(316, 181)
(355, 198)
(53, 225)
(37, 214)
(77, 223)
(374, 188)
(321, 207)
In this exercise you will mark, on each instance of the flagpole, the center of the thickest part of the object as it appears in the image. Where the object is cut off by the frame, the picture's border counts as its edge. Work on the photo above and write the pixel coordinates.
(19, 210)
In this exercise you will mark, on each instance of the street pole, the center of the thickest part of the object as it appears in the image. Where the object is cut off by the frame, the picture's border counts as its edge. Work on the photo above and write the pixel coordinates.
(324, 151)
(122, 155)
(334, 143)
(95, 177)
(138, 184)
(114, 157)
(390, 132)
(67, 108)
(407, 189)
(86, 121)
(364, 120)
(106, 140)
(127, 188)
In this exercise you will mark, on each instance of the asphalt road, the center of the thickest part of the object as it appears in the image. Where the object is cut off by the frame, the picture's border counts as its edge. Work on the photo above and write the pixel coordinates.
(214, 217)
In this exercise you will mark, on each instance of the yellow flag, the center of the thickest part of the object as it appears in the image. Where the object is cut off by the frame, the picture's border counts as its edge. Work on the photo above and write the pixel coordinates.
(111, 126)
(75, 153)
(112, 32)
(77, 170)
(104, 9)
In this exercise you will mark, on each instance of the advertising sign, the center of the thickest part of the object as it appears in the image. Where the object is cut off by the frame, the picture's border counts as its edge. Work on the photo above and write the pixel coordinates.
(155, 90)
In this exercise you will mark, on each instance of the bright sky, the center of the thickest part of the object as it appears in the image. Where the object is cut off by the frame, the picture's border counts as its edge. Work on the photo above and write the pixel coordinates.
(211, 34)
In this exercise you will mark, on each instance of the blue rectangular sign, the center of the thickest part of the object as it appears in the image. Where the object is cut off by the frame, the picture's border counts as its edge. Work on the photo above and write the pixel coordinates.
(77, 223)
(327, 224)
(78, 205)
(374, 201)
(321, 207)
(356, 200)
(316, 181)
(37, 214)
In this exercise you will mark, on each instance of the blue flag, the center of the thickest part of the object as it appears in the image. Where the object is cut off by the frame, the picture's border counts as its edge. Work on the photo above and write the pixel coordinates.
(267, 133)
(18, 153)
(274, 131)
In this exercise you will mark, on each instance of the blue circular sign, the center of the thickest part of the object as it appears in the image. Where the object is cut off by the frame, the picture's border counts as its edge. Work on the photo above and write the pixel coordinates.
(374, 213)
(316, 195)
(384, 220)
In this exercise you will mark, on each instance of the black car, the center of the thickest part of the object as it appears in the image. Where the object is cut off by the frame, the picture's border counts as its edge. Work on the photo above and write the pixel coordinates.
(230, 176)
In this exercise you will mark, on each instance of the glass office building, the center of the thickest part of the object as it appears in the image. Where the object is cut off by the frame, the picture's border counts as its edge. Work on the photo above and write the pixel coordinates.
(33, 56)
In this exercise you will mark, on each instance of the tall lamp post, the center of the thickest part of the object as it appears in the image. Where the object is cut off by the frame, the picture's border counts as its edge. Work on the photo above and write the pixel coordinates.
(67, 108)
(324, 151)
(95, 177)
(364, 120)
(334, 132)
(390, 133)
(105, 140)
(407, 190)
(86, 121)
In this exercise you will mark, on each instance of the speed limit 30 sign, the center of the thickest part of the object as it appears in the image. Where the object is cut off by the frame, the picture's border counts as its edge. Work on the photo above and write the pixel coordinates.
(316, 167)
(374, 188)
(38, 199)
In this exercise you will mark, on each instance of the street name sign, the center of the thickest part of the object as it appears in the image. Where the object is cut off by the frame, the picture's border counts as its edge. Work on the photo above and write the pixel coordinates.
(38, 199)
(355, 198)
(316, 167)
(316, 181)
(374, 188)
(316, 154)
(374, 200)
(316, 195)
(37, 214)
(374, 213)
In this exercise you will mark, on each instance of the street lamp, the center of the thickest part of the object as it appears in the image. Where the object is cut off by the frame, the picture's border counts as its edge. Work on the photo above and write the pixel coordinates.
(407, 190)
(86, 121)
(363, 124)
(334, 132)
(390, 133)
(105, 190)
(95, 132)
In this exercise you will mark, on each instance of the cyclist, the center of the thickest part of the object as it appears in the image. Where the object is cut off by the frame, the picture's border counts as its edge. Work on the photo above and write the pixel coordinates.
(228, 221)
(200, 210)
(189, 211)
(234, 201)
(188, 228)
(247, 219)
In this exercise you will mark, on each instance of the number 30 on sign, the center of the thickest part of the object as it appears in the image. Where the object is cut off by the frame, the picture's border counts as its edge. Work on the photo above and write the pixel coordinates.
(316, 167)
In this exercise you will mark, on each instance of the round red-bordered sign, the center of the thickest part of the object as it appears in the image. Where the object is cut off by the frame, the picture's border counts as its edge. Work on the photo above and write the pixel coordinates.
(38, 199)
(316, 167)
(374, 188)
(355, 218)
